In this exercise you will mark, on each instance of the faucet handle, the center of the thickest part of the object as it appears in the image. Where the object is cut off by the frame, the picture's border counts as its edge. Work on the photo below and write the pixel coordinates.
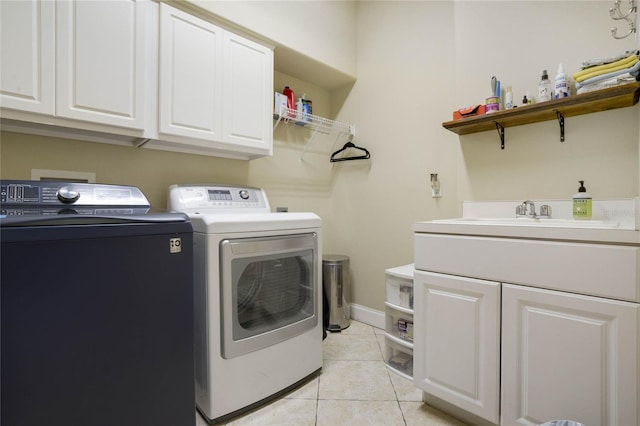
(545, 210)
(530, 208)
(521, 210)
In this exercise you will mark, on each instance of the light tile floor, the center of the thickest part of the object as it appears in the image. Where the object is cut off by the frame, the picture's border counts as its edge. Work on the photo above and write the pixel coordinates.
(355, 388)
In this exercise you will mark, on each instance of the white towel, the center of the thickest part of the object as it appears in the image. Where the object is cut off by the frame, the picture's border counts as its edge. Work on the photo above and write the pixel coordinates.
(595, 62)
(605, 84)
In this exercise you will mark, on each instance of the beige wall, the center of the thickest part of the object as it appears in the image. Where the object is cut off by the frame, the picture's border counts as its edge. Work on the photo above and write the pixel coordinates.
(152, 170)
(322, 30)
(416, 62)
(530, 36)
(406, 67)
(313, 39)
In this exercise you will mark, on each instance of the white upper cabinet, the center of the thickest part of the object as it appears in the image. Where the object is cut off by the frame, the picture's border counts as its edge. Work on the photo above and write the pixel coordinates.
(134, 72)
(247, 93)
(101, 55)
(215, 89)
(190, 76)
(27, 38)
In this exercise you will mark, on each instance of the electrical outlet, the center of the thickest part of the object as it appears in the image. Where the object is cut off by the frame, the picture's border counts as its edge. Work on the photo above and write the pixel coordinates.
(435, 186)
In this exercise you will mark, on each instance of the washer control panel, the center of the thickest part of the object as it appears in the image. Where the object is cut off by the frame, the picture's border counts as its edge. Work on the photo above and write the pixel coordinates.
(217, 198)
(52, 197)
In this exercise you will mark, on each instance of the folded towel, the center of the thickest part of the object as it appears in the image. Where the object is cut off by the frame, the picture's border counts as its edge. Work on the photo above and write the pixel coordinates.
(604, 69)
(611, 82)
(602, 77)
(595, 62)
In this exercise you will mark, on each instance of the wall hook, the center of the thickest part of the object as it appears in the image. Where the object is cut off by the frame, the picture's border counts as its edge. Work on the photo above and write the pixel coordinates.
(630, 16)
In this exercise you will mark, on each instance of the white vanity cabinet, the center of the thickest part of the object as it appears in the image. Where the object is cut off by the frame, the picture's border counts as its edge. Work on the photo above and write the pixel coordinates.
(549, 327)
(568, 356)
(27, 42)
(87, 61)
(215, 89)
(457, 341)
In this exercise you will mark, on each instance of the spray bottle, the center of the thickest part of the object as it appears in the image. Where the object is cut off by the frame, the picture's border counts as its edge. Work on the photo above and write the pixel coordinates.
(562, 86)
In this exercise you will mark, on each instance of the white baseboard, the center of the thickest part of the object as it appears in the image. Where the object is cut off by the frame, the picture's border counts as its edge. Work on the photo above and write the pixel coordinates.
(367, 315)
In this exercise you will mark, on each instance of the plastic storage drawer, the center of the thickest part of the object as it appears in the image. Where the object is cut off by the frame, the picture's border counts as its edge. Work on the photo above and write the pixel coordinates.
(399, 322)
(400, 286)
(398, 356)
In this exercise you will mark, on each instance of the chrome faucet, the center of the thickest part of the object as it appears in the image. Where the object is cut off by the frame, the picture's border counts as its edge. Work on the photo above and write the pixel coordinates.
(528, 209)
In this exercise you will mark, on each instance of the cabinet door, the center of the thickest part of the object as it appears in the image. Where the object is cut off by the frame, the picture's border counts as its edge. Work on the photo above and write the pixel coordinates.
(568, 356)
(27, 44)
(102, 61)
(456, 341)
(190, 76)
(248, 92)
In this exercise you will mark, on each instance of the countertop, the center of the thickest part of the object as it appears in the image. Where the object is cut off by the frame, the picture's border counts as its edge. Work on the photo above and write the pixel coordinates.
(615, 236)
(621, 212)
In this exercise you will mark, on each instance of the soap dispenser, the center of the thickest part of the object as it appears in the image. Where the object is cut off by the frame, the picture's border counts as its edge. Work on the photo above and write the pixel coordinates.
(582, 203)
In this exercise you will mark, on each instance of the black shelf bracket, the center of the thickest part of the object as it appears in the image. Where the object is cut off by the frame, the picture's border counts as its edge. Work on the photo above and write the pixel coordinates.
(561, 122)
(500, 129)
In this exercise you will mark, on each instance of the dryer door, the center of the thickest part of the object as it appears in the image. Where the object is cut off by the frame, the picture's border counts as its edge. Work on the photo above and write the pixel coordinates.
(268, 290)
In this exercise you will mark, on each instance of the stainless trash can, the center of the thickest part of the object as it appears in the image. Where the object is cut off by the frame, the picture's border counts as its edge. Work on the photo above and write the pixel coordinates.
(335, 279)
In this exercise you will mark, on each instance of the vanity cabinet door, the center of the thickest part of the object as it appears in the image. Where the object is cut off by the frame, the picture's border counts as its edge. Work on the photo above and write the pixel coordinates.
(456, 341)
(102, 61)
(567, 356)
(27, 42)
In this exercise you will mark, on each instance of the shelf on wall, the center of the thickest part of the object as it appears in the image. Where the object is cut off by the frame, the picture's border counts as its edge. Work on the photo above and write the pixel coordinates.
(315, 123)
(601, 100)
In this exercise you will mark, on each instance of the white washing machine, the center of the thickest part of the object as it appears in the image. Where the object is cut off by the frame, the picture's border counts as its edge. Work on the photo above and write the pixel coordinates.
(258, 300)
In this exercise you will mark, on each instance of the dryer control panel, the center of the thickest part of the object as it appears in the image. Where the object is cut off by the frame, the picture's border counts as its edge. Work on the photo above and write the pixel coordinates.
(217, 198)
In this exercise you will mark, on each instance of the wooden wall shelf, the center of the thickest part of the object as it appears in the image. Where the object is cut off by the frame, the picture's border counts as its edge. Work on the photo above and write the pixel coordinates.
(616, 97)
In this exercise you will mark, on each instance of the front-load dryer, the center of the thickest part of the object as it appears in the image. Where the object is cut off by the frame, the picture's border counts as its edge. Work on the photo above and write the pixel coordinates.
(258, 300)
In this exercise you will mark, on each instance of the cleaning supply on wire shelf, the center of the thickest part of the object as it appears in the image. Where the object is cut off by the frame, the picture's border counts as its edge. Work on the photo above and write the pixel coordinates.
(303, 109)
(291, 100)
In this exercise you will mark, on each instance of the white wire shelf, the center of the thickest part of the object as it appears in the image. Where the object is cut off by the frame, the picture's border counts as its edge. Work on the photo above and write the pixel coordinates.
(289, 115)
(315, 123)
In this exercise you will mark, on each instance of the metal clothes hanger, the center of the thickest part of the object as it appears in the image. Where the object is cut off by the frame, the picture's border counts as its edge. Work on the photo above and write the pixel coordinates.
(346, 146)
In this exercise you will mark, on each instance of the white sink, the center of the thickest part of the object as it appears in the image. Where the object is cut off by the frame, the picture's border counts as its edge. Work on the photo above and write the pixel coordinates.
(527, 221)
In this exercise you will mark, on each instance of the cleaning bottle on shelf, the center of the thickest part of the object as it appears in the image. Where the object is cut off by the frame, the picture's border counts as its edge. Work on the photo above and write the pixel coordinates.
(302, 109)
(544, 88)
(508, 98)
(562, 85)
(582, 203)
(291, 100)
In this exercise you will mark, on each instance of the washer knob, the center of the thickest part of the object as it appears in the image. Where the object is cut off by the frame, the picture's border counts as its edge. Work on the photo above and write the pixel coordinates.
(244, 194)
(68, 195)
